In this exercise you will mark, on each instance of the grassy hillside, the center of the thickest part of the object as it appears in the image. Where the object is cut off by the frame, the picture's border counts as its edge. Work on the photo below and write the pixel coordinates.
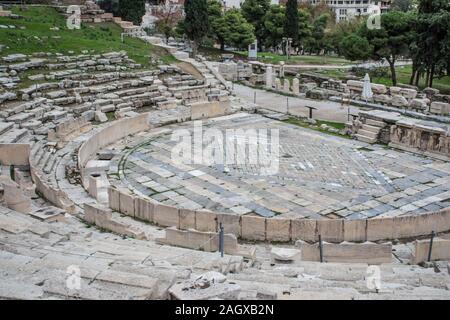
(33, 34)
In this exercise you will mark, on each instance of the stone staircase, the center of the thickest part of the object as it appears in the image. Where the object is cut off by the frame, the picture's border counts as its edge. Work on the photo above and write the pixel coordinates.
(370, 131)
(39, 259)
(313, 281)
(11, 133)
(68, 95)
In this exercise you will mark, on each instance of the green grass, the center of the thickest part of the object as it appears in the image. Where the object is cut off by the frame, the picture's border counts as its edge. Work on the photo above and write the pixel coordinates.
(274, 58)
(333, 73)
(33, 34)
(215, 54)
(403, 75)
(336, 125)
(316, 127)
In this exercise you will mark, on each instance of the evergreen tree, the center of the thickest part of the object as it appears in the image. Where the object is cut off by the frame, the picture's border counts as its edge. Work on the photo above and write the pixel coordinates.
(393, 40)
(316, 42)
(304, 27)
(196, 23)
(239, 33)
(254, 12)
(216, 20)
(354, 47)
(273, 26)
(291, 29)
(432, 54)
(132, 10)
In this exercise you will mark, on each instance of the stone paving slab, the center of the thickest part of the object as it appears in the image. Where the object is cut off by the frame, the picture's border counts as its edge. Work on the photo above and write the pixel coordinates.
(319, 176)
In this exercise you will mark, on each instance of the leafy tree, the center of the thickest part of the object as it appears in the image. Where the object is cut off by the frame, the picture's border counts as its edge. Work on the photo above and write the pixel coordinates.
(354, 47)
(180, 30)
(402, 5)
(316, 42)
(392, 40)
(167, 22)
(317, 9)
(341, 30)
(432, 45)
(111, 6)
(238, 32)
(196, 23)
(274, 25)
(254, 12)
(291, 21)
(217, 22)
(132, 10)
(304, 27)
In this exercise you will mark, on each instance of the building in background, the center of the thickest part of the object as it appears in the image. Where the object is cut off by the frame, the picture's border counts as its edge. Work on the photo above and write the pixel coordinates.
(348, 9)
(343, 9)
(229, 4)
(162, 9)
(385, 5)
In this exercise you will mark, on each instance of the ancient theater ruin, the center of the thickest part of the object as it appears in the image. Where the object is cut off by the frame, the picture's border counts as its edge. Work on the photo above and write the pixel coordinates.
(90, 192)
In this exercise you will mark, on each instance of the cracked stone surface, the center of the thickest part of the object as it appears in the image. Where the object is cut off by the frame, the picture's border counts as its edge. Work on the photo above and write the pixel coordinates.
(319, 176)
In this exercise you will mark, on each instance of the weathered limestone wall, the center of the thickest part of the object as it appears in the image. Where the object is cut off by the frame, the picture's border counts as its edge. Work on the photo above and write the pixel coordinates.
(102, 218)
(14, 196)
(253, 227)
(256, 228)
(417, 137)
(110, 134)
(440, 250)
(203, 110)
(17, 154)
(55, 196)
(66, 130)
(192, 239)
(345, 252)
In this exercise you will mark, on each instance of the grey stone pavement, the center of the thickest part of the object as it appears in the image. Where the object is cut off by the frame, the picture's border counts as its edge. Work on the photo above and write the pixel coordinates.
(326, 110)
(319, 176)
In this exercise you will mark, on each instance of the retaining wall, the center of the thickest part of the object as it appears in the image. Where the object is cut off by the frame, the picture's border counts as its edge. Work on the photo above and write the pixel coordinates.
(345, 252)
(54, 195)
(439, 251)
(255, 228)
(192, 239)
(119, 130)
(102, 218)
(17, 154)
(204, 110)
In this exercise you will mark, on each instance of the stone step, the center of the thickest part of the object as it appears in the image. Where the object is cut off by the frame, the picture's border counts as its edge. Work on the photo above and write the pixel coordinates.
(13, 225)
(5, 126)
(13, 135)
(56, 284)
(370, 128)
(44, 159)
(51, 164)
(40, 153)
(36, 146)
(368, 134)
(375, 123)
(12, 289)
(365, 139)
(21, 117)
